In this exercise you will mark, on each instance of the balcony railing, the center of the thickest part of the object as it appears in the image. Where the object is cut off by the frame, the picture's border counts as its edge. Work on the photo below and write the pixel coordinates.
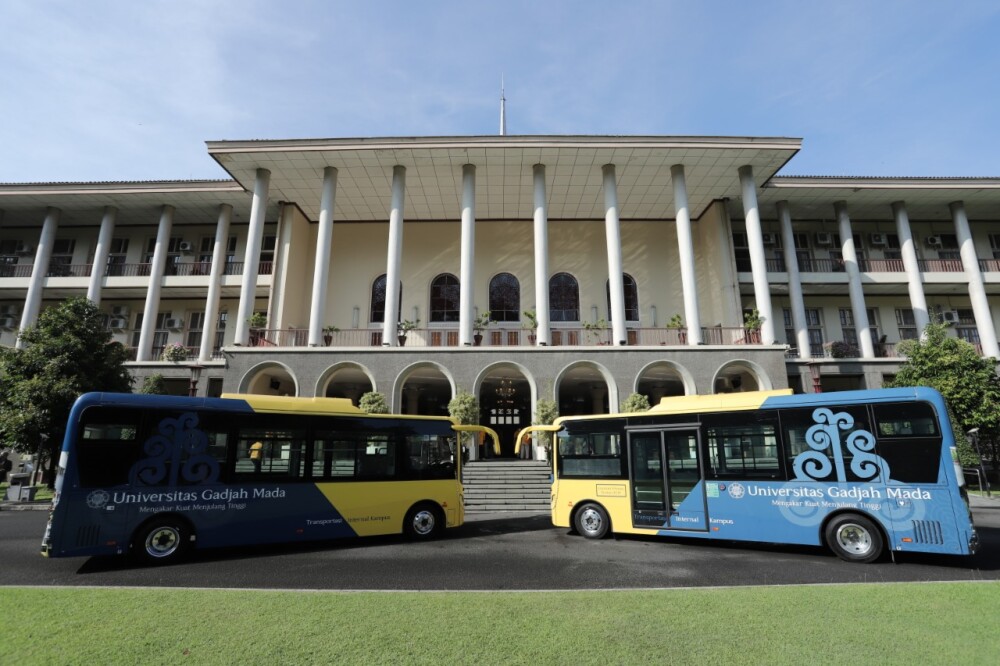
(777, 265)
(184, 269)
(157, 353)
(15, 270)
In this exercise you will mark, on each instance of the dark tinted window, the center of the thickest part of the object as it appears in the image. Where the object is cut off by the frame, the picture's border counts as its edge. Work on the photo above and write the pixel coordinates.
(741, 446)
(590, 454)
(108, 446)
(909, 440)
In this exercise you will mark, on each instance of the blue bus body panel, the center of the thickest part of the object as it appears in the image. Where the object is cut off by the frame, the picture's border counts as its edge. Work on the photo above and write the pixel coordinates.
(929, 518)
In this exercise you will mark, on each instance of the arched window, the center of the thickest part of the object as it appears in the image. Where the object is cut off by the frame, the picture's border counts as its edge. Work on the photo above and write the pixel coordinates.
(631, 298)
(564, 298)
(505, 298)
(378, 301)
(444, 298)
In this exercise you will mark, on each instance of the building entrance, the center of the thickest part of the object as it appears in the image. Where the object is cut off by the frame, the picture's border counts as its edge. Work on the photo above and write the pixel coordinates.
(506, 408)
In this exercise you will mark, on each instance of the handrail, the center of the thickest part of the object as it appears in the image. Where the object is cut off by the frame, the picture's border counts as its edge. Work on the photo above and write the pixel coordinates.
(486, 430)
(532, 429)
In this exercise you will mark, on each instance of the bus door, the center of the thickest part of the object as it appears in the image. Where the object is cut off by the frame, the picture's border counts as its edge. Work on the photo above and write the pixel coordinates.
(665, 473)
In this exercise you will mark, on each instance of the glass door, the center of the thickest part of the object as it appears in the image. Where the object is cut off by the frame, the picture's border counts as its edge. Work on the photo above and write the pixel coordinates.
(667, 488)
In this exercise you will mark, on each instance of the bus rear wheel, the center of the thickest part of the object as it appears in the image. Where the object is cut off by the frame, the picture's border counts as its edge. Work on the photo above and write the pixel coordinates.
(161, 541)
(591, 520)
(854, 538)
(423, 521)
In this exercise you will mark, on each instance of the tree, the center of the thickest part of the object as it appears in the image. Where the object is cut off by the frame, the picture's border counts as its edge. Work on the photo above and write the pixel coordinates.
(373, 402)
(68, 352)
(464, 408)
(968, 382)
(154, 384)
(637, 402)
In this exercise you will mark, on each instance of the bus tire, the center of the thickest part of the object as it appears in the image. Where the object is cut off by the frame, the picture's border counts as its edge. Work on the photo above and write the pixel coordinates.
(591, 520)
(163, 540)
(854, 538)
(424, 521)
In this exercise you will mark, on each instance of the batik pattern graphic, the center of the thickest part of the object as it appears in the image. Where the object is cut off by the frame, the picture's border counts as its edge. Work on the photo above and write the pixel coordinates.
(824, 439)
(177, 453)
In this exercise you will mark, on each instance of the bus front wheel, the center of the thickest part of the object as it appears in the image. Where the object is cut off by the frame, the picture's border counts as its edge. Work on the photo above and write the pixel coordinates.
(591, 520)
(423, 521)
(161, 541)
(854, 538)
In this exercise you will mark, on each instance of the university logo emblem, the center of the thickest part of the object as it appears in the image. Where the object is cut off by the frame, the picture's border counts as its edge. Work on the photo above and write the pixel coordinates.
(736, 490)
(98, 499)
(824, 439)
(176, 454)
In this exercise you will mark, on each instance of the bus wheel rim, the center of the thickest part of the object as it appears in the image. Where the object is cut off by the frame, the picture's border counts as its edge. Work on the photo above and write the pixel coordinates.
(163, 541)
(591, 520)
(854, 539)
(423, 521)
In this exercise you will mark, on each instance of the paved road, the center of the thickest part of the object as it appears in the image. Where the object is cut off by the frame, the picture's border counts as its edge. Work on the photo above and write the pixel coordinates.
(509, 553)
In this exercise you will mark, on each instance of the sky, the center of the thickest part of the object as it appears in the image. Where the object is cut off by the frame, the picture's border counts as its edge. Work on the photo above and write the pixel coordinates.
(102, 90)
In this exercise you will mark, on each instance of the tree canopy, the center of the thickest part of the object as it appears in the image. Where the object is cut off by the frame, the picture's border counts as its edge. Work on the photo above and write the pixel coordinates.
(968, 382)
(67, 353)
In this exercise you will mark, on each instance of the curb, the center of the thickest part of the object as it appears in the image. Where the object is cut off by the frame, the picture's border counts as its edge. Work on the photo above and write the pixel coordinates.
(43, 505)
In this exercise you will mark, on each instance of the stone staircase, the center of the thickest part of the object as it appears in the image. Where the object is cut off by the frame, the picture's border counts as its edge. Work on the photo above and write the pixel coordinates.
(507, 485)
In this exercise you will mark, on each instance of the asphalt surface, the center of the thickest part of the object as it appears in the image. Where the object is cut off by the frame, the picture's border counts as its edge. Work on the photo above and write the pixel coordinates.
(511, 552)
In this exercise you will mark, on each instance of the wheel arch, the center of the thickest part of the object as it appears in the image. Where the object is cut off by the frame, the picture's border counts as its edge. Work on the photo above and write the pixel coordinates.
(883, 531)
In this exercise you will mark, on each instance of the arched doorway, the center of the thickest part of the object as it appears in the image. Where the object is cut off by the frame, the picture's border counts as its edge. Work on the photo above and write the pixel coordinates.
(269, 379)
(505, 406)
(347, 380)
(663, 379)
(585, 388)
(739, 377)
(424, 389)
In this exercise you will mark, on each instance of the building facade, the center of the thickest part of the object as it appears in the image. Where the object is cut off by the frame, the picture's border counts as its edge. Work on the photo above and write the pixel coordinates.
(574, 268)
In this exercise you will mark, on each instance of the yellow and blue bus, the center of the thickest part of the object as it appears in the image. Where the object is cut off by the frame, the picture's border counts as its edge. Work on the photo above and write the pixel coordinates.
(156, 476)
(862, 472)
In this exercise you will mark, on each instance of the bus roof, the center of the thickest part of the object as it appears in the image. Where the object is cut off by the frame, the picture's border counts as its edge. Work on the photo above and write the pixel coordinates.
(281, 403)
(725, 402)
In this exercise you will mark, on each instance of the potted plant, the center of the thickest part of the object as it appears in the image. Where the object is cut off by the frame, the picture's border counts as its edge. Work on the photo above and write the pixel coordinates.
(595, 329)
(479, 324)
(751, 324)
(373, 402)
(328, 332)
(175, 352)
(530, 323)
(546, 411)
(404, 327)
(841, 349)
(676, 323)
(257, 321)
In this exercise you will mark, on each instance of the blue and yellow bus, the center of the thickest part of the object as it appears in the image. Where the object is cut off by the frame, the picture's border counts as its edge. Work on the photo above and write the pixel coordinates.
(156, 475)
(859, 471)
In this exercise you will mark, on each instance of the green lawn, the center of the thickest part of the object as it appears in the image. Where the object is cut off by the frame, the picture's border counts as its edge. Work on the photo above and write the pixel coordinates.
(43, 492)
(940, 623)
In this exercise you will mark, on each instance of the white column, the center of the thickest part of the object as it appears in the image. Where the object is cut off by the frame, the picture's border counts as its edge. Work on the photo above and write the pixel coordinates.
(209, 328)
(794, 282)
(685, 249)
(912, 267)
(321, 271)
(856, 291)
(251, 258)
(541, 256)
(467, 280)
(39, 270)
(977, 292)
(394, 257)
(612, 232)
(101, 254)
(758, 264)
(152, 307)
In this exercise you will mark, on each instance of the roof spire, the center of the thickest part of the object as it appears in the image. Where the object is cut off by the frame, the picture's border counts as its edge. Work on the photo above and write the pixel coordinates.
(503, 109)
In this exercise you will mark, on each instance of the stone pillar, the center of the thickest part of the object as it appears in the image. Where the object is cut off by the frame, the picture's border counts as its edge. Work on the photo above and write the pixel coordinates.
(612, 233)
(321, 270)
(156, 269)
(977, 292)
(544, 336)
(215, 283)
(104, 238)
(685, 249)
(467, 278)
(911, 265)
(758, 264)
(39, 271)
(251, 258)
(394, 258)
(794, 282)
(850, 255)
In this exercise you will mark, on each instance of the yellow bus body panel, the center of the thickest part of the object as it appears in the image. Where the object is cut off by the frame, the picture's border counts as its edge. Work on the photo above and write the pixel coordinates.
(379, 507)
(613, 494)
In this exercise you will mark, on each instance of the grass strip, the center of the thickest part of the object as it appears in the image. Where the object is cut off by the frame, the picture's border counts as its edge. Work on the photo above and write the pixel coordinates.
(939, 623)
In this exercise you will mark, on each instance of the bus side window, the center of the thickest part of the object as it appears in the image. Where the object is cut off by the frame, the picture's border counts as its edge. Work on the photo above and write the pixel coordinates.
(743, 446)
(796, 425)
(281, 453)
(334, 456)
(109, 446)
(377, 458)
(909, 441)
